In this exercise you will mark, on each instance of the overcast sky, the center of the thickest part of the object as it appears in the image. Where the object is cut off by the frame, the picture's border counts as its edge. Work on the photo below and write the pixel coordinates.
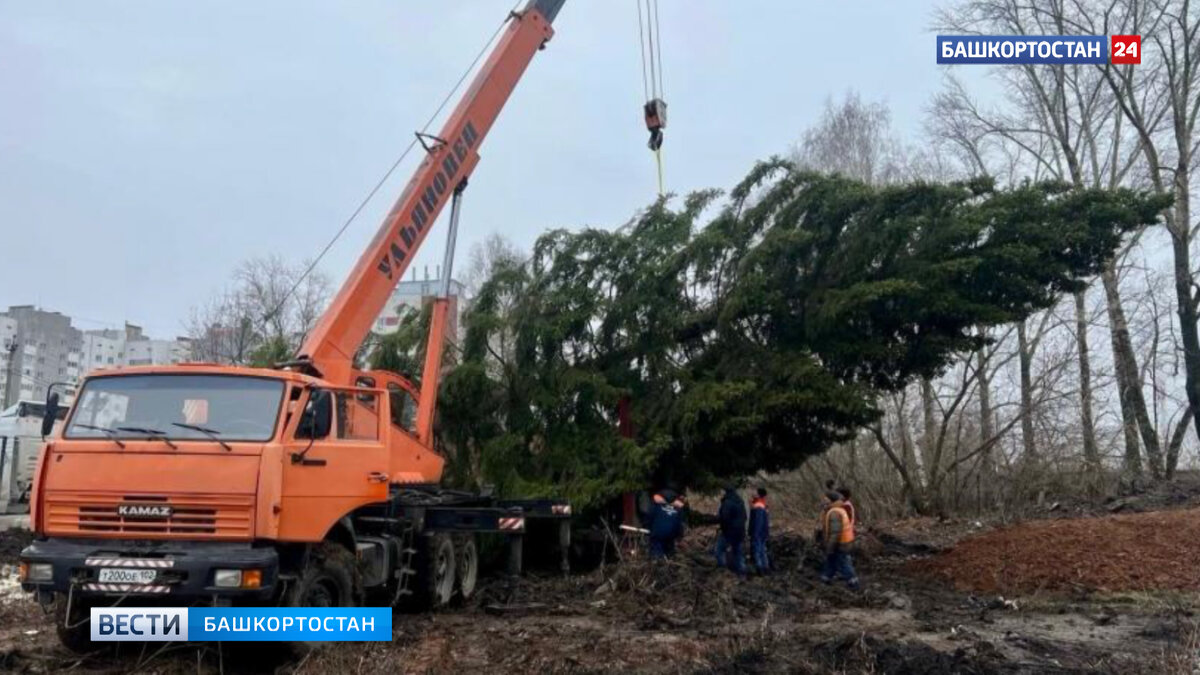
(146, 147)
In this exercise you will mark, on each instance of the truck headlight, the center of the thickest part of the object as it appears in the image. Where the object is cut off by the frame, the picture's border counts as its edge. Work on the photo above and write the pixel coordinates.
(36, 571)
(227, 578)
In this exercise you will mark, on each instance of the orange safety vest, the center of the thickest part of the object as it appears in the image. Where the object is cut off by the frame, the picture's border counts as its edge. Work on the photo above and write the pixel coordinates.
(847, 534)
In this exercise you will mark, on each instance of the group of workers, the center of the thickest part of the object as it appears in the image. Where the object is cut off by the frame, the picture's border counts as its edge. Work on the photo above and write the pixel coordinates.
(834, 534)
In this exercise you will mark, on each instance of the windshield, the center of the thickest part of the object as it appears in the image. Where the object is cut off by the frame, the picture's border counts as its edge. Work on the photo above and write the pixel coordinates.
(185, 407)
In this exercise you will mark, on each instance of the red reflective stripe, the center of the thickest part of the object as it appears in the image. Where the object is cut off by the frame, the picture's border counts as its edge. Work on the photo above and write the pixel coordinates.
(129, 562)
(126, 588)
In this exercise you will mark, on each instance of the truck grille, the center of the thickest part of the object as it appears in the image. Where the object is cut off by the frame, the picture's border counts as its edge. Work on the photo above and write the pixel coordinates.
(191, 516)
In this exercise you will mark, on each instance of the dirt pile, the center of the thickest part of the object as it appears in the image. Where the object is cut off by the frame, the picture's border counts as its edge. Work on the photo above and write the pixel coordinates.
(1143, 551)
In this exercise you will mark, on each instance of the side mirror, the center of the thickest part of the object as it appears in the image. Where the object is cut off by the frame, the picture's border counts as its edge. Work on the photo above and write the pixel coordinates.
(318, 416)
(322, 414)
(51, 414)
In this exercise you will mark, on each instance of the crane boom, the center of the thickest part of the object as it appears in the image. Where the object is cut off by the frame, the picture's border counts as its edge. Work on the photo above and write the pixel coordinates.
(452, 155)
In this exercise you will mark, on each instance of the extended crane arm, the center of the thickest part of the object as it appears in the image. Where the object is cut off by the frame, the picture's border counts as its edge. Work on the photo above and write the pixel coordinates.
(452, 156)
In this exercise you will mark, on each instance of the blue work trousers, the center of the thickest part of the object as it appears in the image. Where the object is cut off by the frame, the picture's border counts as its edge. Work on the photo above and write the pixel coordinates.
(838, 564)
(758, 548)
(661, 548)
(729, 553)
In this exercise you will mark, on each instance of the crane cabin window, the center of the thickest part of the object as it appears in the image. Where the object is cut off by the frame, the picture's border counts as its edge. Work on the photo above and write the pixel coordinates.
(179, 407)
(403, 408)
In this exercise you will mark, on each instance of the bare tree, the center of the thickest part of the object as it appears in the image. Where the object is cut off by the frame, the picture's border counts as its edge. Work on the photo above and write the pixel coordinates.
(1063, 123)
(494, 254)
(1091, 451)
(269, 302)
(1025, 354)
(983, 381)
(221, 331)
(925, 479)
(1160, 98)
(485, 257)
(855, 138)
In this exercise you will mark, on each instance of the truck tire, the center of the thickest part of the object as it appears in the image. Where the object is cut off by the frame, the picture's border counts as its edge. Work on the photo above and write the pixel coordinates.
(468, 566)
(329, 579)
(74, 629)
(436, 565)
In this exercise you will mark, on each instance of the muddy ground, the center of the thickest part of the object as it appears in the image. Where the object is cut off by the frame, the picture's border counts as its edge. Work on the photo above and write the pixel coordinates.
(690, 616)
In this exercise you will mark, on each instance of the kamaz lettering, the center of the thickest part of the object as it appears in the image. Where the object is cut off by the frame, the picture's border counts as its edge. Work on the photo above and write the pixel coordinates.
(149, 511)
(408, 228)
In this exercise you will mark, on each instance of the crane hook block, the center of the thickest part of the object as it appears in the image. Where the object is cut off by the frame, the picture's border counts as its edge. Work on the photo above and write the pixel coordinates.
(656, 121)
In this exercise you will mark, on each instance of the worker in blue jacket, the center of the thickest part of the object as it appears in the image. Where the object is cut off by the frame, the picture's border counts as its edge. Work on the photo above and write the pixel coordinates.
(732, 519)
(760, 530)
(666, 523)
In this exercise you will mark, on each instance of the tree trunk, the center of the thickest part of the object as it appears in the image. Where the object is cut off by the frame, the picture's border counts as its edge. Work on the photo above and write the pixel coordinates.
(986, 426)
(929, 451)
(1029, 445)
(1176, 443)
(929, 431)
(1135, 420)
(1180, 244)
(915, 491)
(1091, 453)
(909, 453)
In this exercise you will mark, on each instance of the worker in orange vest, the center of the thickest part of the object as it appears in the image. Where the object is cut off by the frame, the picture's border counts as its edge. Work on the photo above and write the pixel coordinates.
(837, 531)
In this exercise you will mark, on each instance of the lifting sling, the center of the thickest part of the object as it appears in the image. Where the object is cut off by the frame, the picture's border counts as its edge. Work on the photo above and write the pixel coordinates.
(655, 107)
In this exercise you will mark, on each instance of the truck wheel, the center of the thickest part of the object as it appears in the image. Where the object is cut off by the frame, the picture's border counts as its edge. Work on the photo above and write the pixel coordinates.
(468, 567)
(435, 572)
(329, 579)
(74, 629)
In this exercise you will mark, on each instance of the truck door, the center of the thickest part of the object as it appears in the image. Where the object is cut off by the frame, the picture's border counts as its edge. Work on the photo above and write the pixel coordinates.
(334, 461)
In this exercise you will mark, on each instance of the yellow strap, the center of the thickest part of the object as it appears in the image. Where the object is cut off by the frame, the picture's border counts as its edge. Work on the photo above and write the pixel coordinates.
(658, 159)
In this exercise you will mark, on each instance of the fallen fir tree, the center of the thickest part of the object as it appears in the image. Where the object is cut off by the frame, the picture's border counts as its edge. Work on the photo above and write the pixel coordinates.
(758, 338)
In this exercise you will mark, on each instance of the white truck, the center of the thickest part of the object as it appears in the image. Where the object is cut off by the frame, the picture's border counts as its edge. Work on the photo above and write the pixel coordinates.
(20, 442)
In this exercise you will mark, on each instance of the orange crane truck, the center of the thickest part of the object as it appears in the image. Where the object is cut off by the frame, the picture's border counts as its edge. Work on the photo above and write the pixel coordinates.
(315, 483)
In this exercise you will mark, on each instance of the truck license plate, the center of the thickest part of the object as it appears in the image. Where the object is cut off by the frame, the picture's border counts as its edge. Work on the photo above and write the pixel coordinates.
(110, 575)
